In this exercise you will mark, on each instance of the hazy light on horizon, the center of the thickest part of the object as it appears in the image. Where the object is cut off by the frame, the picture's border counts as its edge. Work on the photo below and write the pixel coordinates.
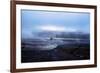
(56, 28)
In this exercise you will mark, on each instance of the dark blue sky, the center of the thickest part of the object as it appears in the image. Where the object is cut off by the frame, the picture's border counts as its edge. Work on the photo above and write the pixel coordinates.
(35, 21)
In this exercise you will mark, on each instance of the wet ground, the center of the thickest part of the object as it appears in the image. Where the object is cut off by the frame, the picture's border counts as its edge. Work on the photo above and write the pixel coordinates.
(60, 53)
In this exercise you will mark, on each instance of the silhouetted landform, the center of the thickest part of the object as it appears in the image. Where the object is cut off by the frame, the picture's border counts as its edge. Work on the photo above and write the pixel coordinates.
(75, 47)
(78, 34)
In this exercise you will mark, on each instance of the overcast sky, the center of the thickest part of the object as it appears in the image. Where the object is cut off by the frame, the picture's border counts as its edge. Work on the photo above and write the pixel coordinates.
(35, 21)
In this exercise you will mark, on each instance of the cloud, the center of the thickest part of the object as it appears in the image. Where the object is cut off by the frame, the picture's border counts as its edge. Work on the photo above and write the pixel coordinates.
(56, 28)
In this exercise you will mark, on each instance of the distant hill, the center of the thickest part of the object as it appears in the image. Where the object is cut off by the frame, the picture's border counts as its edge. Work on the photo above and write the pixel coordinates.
(63, 34)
